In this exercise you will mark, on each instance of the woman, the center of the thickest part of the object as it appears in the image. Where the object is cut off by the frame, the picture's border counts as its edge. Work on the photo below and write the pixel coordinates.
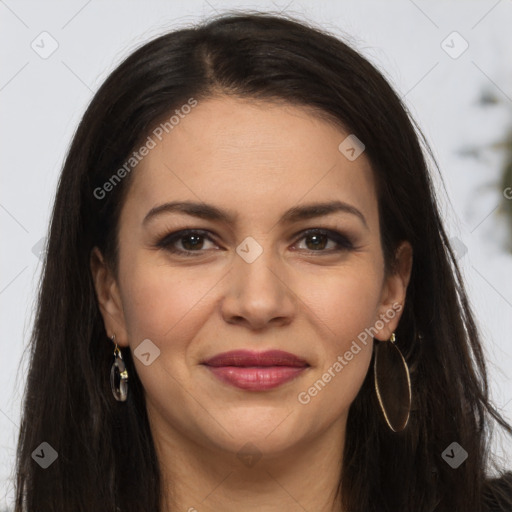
(249, 301)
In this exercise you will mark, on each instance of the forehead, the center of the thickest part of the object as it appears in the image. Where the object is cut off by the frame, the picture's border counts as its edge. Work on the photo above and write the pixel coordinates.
(251, 156)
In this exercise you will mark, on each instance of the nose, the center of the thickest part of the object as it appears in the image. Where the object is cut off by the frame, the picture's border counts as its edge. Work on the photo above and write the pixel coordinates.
(258, 295)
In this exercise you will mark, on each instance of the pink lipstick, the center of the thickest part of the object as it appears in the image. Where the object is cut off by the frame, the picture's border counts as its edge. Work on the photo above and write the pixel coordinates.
(256, 371)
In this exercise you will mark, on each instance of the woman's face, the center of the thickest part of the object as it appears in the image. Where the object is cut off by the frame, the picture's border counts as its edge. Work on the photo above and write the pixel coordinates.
(250, 278)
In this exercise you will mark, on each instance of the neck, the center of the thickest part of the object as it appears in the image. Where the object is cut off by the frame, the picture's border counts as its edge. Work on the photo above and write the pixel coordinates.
(208, 479)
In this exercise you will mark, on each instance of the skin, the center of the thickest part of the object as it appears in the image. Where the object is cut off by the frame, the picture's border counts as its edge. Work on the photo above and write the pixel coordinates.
(257, 160)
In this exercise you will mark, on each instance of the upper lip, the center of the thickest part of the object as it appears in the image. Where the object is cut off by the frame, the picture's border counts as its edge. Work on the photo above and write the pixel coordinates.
(244, 358)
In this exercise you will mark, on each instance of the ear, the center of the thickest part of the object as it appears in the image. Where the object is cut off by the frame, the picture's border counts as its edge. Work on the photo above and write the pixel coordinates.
(109, 298)
(394, 290)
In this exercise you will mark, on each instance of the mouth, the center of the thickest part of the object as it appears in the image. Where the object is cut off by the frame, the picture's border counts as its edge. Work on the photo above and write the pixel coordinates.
(256, 371)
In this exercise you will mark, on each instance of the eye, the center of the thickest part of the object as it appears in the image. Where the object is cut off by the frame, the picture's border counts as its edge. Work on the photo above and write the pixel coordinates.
(317, 240)
(192, 240)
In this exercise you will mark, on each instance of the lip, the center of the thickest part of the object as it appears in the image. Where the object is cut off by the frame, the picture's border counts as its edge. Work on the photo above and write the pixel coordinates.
(256, 371)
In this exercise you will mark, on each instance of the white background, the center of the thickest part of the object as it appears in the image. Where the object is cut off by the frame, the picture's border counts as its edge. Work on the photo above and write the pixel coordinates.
(42, 100)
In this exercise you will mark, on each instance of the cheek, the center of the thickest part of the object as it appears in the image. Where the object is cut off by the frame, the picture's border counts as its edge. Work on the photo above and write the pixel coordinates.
(344, 308)
(344, 305)
(160, 302)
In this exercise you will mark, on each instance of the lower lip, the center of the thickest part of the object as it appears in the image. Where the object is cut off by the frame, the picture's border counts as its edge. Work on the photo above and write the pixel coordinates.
(256, 378)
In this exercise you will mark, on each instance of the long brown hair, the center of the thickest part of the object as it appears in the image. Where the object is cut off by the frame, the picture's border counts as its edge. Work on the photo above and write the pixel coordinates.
(106, 456)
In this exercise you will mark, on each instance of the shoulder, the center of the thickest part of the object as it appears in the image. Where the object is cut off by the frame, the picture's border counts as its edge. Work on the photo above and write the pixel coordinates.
(497, 494)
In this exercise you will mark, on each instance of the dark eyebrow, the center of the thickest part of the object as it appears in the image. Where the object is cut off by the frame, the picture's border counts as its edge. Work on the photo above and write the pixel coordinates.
(210, 212)
(310, 211)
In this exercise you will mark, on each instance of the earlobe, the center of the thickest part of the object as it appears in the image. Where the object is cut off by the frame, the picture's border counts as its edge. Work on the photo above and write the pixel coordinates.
(394, 291)
(108, 297)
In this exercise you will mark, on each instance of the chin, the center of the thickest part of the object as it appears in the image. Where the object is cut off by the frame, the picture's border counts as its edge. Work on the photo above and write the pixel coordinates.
(269, 430)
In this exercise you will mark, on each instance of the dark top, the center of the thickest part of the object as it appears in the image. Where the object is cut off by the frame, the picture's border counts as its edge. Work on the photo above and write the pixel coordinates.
(498, 494)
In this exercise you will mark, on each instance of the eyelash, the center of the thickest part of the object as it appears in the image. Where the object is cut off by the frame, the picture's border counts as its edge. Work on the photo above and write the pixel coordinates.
(343, 242)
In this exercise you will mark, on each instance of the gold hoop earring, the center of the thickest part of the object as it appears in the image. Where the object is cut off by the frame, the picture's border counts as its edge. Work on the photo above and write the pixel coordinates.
(392, 384)
(118, 375)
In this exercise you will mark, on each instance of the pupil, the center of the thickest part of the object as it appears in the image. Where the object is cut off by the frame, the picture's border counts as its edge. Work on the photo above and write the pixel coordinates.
(194, 244)
(315, 237)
